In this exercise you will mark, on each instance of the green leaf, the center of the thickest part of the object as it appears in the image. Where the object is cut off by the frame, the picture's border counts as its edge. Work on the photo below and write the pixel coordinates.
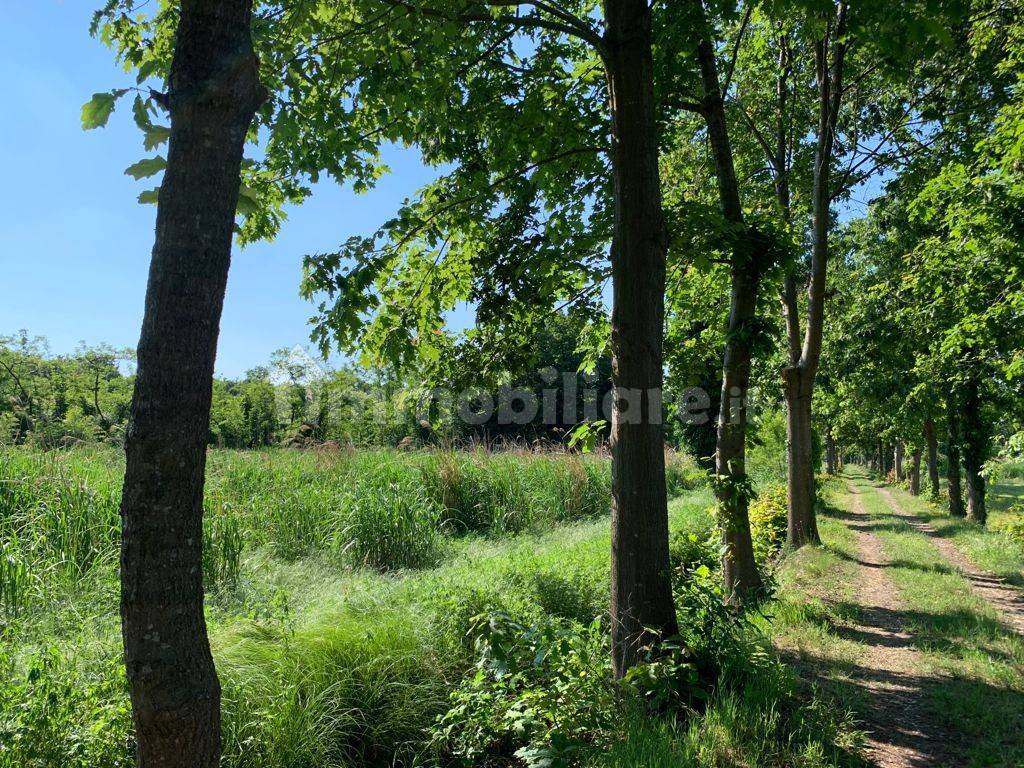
(140, 111)
(97, 110)
(146, 168)
(150, 196)
(248, 200)
(155, 136)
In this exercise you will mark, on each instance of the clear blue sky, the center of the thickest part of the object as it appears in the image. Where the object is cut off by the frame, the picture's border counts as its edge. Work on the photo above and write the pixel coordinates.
(75, 244)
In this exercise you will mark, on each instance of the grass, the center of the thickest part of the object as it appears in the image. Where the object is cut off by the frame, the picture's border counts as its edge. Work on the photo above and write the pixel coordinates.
(342, 590)
(987, 546)
(980, 662)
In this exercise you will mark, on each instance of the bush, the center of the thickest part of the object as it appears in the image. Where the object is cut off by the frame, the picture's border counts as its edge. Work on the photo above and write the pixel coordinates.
(54, 712)
(538, 693)
(768, 521)
(1013, 524)
(690, 550)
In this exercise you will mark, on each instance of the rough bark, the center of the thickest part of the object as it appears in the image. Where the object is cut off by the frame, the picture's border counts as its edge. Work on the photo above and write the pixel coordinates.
(932, 447)
(915, 472)
(802, 524)
(799, 376)
(898, 453)
(213, 93)
(642, 607)
(740, 574)
(956, 497)
(975, 449)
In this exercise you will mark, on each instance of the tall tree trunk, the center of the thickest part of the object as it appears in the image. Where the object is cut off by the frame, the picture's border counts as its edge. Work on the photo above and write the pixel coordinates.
(898, 452)
(740, 575)
(641, 591)
(802, 524)
(213, 93)
(831, 453)
(956, 497)
(798, 377)
(915, 472)
(975, 442)
(931, 444)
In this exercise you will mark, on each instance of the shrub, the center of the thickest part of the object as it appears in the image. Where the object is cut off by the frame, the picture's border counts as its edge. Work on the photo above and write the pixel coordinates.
(1013, 524)
(768, 522)
(690, 550)
(56, 712)
(719, 635)
(538, 693)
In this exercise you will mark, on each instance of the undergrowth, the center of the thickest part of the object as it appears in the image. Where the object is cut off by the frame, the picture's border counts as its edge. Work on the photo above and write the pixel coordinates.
(326, 662)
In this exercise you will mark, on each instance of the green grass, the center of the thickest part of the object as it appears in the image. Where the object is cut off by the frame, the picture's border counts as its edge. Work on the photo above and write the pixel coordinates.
(343, 587)
(989, 546)
(958, 633)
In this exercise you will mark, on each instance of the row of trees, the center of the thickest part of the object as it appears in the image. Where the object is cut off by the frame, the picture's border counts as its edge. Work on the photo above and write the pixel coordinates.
(59, 400)
(678, 150)
(927, 335)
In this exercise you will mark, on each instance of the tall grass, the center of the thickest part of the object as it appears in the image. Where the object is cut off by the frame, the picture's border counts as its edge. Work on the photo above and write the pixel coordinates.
(385, 509)
(325, 664)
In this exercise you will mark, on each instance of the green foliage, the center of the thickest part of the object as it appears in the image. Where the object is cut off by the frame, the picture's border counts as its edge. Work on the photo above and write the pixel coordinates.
(143, 169)
(97, 111)
(1013, 524)
(391, 523)
(768, 522)
(56, 712)
(539, 694)
(326, 664)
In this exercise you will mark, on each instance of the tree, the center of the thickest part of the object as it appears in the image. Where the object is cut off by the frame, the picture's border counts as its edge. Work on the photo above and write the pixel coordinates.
(518, 97)
(751, 258)
(213, 92)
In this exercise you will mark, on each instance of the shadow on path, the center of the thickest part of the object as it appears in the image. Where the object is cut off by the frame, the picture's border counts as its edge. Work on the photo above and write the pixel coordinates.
(1007, 600)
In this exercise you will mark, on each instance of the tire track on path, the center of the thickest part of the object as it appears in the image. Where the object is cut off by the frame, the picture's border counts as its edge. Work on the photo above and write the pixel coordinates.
(1004, 598)
(899, 733)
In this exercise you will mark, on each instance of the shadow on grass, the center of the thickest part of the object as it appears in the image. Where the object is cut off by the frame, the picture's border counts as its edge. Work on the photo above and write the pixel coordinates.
(957, 633)
(925, 720)
(904, 564)
(929, 722)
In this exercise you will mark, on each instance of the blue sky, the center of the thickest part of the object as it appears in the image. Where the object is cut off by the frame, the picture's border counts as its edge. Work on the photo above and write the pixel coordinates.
(75, 244)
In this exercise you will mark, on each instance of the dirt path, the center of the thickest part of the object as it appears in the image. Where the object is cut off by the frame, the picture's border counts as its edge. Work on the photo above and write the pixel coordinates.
(890, 669)
(1006, 599)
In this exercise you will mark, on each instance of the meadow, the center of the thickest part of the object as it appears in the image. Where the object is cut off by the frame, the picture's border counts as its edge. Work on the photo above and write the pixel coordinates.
(358, 603)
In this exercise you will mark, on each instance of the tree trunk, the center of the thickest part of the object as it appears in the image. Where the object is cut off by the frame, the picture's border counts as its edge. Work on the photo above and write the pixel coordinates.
(798, 377)
(802, 524)
(956, 498)
(915, 472)
(831, 453)
(898, 461)
(642, 606)
(931, 444)
(740, 575)
(975, 442)
(213, 93)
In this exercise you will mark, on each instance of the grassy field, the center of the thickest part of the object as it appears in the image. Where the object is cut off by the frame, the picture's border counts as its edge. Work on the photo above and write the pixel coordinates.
(345, 596)
(430, 608)
(1002, 554)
